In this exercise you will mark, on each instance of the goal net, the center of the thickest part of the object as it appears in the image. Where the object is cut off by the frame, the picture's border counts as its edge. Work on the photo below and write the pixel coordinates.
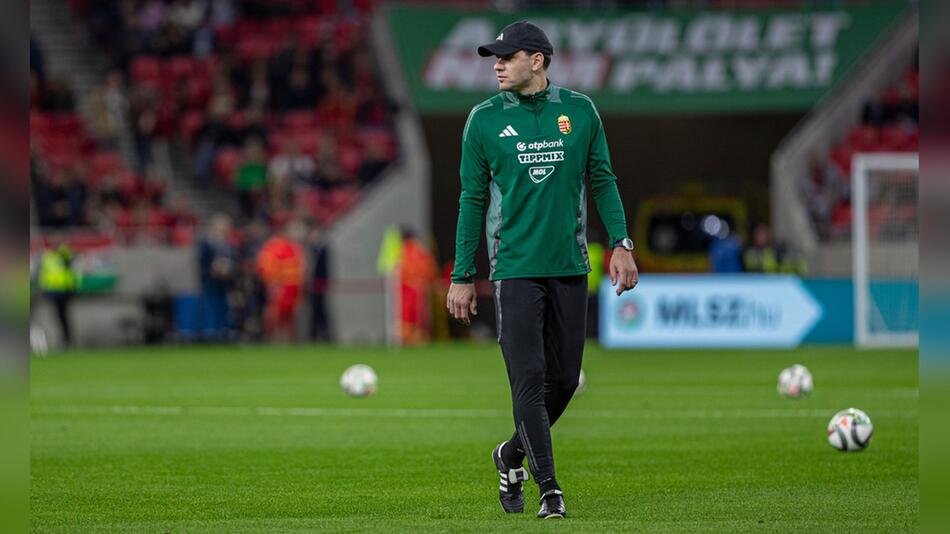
(884, 210)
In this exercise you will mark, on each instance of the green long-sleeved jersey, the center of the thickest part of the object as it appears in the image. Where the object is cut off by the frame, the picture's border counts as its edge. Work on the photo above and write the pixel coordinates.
(524, 159)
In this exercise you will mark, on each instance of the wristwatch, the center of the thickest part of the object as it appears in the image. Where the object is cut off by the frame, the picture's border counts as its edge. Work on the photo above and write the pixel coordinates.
(625, 243)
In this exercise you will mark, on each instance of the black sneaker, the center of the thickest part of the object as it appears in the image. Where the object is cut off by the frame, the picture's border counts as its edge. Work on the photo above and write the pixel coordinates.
(552, 505)
(510, 487)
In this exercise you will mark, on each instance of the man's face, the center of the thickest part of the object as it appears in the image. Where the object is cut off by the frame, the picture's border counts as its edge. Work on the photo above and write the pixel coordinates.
(514, 71)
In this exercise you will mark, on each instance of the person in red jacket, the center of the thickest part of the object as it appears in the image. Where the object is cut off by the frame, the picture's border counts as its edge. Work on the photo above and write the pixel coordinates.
(418, 272)
(280, 264)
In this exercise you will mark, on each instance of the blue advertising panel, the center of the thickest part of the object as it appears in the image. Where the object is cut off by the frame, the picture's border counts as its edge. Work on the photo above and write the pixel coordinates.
(708, 311)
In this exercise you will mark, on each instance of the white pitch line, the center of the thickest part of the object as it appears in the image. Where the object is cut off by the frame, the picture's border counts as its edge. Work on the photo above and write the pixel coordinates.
(97, 409)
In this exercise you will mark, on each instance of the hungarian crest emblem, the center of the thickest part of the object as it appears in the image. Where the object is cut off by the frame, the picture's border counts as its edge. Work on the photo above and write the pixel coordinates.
(564, 124)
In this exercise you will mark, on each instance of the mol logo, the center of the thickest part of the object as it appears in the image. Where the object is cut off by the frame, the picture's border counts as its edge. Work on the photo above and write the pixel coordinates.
(540, 174)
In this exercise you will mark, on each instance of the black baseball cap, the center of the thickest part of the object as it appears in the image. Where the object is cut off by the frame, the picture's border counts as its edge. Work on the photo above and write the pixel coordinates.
(521, 35)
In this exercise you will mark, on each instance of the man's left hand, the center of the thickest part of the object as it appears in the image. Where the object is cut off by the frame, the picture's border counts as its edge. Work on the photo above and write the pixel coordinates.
(623, 270)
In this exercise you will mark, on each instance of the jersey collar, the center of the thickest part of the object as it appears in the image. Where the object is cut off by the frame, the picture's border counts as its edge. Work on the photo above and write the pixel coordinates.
(515, 98)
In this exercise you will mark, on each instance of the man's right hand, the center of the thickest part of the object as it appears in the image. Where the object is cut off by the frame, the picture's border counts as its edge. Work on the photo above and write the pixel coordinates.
(461, 302)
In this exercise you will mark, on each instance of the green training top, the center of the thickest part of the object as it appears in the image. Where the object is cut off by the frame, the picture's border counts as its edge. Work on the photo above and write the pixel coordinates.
(524, 159)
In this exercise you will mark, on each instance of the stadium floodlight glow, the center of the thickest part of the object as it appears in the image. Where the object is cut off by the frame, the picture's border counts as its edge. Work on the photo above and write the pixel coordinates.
(885, 249)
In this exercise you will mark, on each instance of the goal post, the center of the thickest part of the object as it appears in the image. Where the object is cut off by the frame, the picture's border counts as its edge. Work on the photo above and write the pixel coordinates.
(885, 249)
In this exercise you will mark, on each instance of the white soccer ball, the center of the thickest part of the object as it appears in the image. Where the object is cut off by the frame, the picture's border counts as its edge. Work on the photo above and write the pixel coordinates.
(795, 382)
(581, 383)
(359, 380)
(850, 430)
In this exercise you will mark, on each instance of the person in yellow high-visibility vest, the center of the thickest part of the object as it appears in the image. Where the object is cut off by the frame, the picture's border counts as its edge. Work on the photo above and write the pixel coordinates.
(595, 251)
(59, 282)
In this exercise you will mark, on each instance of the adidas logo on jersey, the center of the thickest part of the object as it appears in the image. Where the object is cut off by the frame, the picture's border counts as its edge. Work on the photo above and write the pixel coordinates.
(508, 132)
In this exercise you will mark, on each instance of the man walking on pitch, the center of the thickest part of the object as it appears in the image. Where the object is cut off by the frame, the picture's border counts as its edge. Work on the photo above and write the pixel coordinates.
(525, 153)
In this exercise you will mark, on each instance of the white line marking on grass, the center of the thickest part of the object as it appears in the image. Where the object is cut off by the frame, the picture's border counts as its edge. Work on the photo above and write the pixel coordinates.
(98, 409)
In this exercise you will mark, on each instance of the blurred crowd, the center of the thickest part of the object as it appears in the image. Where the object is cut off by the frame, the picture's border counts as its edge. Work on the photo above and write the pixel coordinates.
(277, 104)
(78, 178)
(888, 123)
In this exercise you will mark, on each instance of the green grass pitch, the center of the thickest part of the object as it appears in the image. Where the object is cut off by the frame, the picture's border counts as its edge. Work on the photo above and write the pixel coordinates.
(261, 439)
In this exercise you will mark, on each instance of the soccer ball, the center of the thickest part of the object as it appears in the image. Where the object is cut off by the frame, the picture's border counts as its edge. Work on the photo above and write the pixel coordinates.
(850, 430)
(795, 382)
(359, 380)
(581, 383)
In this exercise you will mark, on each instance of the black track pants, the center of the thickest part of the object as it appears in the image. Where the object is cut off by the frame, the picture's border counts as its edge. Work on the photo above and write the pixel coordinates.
(541, 325)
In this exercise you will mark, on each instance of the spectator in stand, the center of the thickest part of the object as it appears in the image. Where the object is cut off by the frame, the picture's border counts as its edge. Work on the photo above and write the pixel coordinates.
(301, 92)
(255, 126)
(892, 106)
(107, 108)
(222, 14)
(281, 267)
(373, 162)
(150, 18)
(57, 97)
(110, 192)
(214, 133)
(327, 173)
(251, 178)
(144, 118)
(188, 15)
(257, 93)
(338, 103)
(280, 199)
(293, 165)
(373, 109)
(78, 194)
(824, 190)
(217, 267)
(55, 207)
(319, 286)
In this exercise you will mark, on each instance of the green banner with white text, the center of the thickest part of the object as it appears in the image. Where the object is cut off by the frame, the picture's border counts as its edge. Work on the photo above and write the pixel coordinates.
(635, 62)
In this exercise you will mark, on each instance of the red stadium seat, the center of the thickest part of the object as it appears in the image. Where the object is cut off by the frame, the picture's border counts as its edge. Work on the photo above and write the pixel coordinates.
(104, 162)
(278, 28)
(897, 138)
(308, 140)
(300, 120)
(191, 122)
(864, 138)
(67, 123)
(180, 67)
(841, 156)
(40, 123)
(259, 46)
(277, 141)
(350, 158)
(226, 36)
(912, 79)
(310, 29)
(237, 120)
(146, 69)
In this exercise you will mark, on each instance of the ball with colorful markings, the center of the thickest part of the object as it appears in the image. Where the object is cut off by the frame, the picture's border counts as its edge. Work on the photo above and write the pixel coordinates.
(850, 430)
